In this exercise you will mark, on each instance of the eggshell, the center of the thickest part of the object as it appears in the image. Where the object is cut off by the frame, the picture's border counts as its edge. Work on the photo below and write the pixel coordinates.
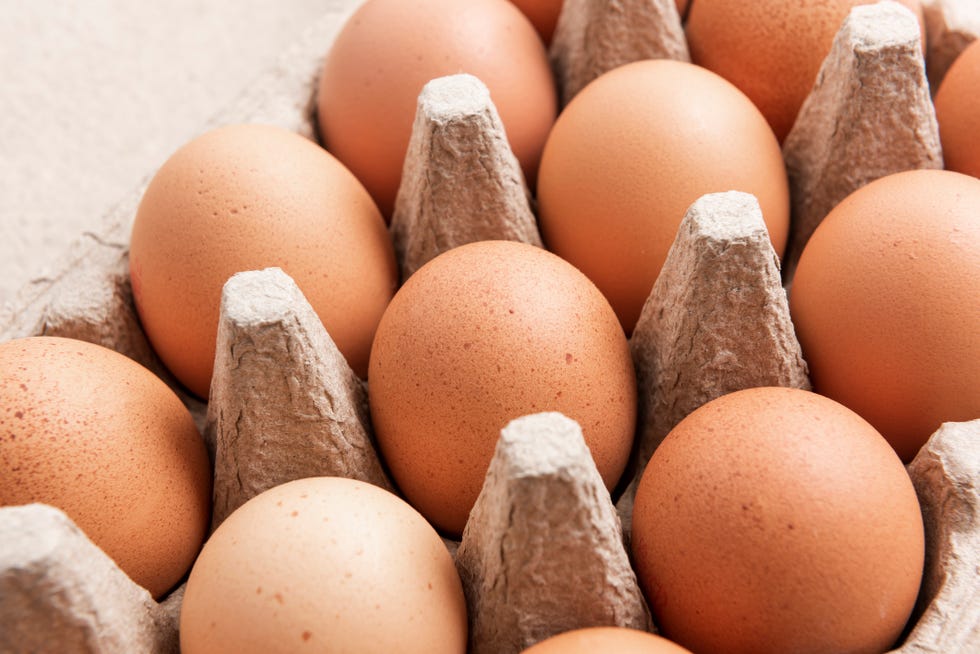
(958, 113)
(324, 564)
(249, 197)
(631, 153)
(95, 434)
(480, 335)
(776, 520)
(387, 52)
(770, 49)
(543, 14)
(886, 303)
(605, 639)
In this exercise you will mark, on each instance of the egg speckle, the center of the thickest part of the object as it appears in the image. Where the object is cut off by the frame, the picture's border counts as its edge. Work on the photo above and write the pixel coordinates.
(325, 564)
(777, 520)
(483, 334)
(93, 433)
(770, 49)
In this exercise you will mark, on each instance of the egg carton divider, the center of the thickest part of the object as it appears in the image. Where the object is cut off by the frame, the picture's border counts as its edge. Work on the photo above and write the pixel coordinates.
(869, 115)
(89, 298)
(716, 321)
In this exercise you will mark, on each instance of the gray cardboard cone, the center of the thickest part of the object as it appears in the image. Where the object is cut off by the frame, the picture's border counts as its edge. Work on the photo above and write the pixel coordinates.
(284, 403)
(542, 551)
(716, 321)
(595, 36)
(951, 26)
(946, 474)
(869, 115)
(60, 592)
(461, 182)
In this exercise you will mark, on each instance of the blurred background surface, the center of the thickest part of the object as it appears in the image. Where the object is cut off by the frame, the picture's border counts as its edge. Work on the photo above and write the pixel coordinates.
(96, 94)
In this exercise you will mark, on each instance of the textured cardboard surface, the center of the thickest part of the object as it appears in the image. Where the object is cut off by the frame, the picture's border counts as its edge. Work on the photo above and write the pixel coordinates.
(595, 36)
(284, 403)
(60, 592)
(88, 295)
(869, 115)
(717, 321)
(97, 94)
(543, 551)
(461, 182)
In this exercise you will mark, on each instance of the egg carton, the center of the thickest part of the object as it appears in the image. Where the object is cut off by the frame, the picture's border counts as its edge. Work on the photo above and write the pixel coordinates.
(695, 341)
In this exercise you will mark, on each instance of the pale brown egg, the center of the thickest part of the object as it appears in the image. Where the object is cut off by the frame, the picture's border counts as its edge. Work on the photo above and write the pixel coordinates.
(249, 197)
(390, 49)
(770, 49)
(886, 303)
(482, 334)
(631, 153)
(958, 113)
(777, 520)
(324, 564)
(606, 639)
(93, 433)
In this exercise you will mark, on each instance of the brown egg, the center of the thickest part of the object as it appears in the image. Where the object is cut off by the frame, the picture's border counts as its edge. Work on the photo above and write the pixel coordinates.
(958, 113)
(390, 49)
(776, 520)
(886, 303)
(249, 197)
(324, 564)
(630, 154)
(606, 639)
(771, 49)
(543, 14)
(93, 433)
(483, 334)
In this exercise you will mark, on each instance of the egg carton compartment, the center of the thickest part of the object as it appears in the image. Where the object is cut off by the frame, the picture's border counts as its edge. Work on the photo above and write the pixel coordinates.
(58, 591)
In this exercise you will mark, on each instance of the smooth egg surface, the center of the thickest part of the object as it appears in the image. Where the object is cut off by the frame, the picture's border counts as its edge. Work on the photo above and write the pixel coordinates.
(958, 113)
(605, 639)
(777, 520)
(886, 304)
(324, 564)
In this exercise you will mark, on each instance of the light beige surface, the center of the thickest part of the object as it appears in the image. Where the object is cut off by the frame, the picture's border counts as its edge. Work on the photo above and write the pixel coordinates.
(95, 95)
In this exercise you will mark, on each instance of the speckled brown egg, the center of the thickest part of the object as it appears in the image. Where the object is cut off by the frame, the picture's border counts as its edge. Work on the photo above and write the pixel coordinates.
(631, 153)
(483, 334)
(958, 113)
(324, 564)
(389, 50)
(777, 520)
(93, 433)
(770, 49)
(249, 197)
(606, 639)
(886, 303)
